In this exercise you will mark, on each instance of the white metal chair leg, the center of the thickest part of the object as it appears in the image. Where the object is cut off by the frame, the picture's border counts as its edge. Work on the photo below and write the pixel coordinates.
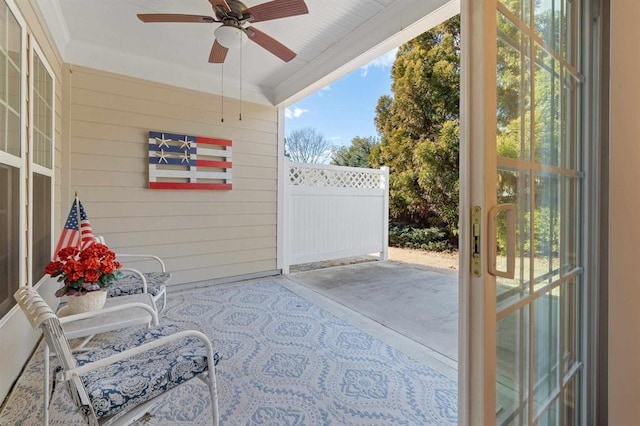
(164, 301)
(46, 384)
(82, 346)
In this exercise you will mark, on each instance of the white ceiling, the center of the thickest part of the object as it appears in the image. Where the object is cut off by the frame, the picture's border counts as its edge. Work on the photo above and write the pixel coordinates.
(336, 37)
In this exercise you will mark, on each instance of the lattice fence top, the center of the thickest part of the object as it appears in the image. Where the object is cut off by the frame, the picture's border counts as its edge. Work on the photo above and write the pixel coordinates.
(315, 176)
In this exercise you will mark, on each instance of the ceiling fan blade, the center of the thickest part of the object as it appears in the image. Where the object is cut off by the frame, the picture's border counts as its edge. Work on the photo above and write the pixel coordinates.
(277, 9)
(271, 44)
(218, 53)
(221, 3)
(174, 17)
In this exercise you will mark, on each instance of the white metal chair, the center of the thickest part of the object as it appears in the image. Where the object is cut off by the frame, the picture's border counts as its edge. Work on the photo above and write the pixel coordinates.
(118, 313)
(136, 281)
(116, 384)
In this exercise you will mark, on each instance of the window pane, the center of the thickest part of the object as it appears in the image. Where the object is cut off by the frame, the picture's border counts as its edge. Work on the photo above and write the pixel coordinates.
(569, 125)
(14, 41)
(3, 128)
(569, 403)
(3, 77)
(42, 110)
(13, 135)
(41, 225)
(13, 88)
(539, 90)
(548, 111)
(546, 228)
(4, 11)
(569, 36)
(548, 17)
(514, 103)
(520, 8)
(9, 236)
(546, 360)
(513, 187)
(570, 235)
(549, 417)
(570, 344)
(10, 79)
(512, 364)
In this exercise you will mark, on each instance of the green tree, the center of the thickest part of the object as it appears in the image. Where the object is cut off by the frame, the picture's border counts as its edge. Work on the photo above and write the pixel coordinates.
(419, 133)
(438, 174)
(355, 155)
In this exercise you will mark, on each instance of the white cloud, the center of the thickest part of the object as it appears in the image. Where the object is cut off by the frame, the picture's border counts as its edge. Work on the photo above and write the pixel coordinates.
(322, 91)
(384, 61)
(294, 113)
(335, 139)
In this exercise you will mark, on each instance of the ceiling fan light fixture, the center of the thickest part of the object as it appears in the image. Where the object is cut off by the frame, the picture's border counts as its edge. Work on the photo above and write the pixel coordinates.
(230, 37)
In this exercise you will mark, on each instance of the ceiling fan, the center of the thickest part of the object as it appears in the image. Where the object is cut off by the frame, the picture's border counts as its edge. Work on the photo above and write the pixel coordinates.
(234, 32)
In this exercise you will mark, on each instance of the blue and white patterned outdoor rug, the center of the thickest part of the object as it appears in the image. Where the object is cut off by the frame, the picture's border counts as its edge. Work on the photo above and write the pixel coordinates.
(284, 361)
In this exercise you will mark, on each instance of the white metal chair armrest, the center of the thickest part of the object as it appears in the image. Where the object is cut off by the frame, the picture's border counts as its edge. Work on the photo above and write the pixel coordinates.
(157, 280)
(132, 311)
(139, 274)
(103, 311)
(136, 282)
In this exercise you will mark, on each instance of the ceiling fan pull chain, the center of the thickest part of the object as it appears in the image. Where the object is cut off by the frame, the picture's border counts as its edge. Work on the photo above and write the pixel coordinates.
(222, 96)
(241, 55)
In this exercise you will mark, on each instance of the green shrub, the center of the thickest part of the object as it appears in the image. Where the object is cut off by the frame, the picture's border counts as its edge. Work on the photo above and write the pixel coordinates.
(546, 226)
(434, 238)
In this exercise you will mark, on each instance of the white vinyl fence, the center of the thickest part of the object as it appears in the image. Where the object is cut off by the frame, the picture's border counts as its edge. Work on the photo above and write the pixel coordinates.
(332, 212)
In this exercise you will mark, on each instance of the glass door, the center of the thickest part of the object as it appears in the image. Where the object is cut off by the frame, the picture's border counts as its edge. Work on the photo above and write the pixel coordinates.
(522, 89)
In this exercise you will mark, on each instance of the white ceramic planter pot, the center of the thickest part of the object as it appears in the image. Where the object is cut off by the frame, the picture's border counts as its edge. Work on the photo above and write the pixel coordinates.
(90, 301)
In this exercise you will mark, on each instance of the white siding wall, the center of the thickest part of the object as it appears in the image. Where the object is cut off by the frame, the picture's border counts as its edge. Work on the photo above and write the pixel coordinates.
(16, 335)
(624, 205)
(202, 235)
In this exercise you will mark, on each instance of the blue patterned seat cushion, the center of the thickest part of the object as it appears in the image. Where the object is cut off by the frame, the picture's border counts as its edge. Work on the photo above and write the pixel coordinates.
(142, 377)
(132, 284)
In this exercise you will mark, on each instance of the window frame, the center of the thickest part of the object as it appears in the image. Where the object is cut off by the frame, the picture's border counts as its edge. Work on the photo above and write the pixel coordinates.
(24, 163)
(20, 162)
(33, 51)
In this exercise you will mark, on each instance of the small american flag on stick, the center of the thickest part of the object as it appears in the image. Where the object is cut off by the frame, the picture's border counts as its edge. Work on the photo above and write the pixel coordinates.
(76, 232)
(188, 162)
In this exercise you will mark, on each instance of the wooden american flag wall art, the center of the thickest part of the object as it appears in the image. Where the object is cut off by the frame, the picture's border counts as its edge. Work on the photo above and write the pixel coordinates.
(189, 162)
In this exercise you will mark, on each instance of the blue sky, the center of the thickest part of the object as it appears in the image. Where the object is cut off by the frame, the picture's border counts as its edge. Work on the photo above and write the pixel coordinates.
(346, 108)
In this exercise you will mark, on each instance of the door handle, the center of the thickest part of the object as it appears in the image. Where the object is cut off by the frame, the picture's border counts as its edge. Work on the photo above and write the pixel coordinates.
(510, 210)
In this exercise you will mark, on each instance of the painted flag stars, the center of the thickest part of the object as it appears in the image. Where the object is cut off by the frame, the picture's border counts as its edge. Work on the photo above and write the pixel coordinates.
(189, 162)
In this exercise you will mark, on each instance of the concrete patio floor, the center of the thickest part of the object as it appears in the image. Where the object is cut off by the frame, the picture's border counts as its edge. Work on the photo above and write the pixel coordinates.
(418, 305)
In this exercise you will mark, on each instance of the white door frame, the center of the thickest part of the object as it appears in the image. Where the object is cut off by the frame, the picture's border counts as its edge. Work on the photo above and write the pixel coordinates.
(477, 324)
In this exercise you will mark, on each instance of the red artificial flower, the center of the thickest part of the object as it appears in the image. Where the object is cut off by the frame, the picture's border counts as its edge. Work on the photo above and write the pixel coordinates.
(83, 270)
(68, 253)
(91, 276)
(107, 267)
(53, 268)
(91, 263)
